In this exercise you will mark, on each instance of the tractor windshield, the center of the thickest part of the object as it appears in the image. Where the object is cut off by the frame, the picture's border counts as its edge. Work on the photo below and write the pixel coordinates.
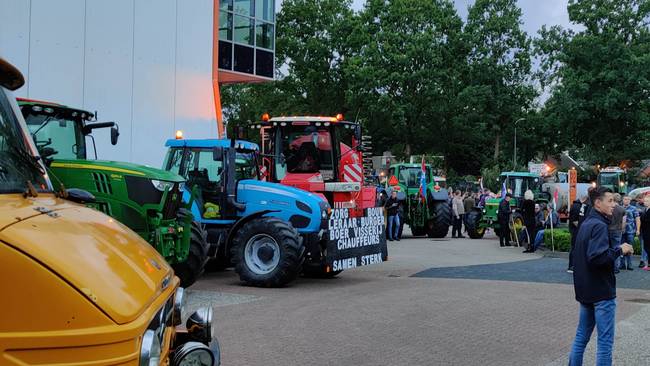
(410, 176)
(609, 179)
(17, 163)
(306, 149)
(198, 166)
(518, 185)
(55, 130)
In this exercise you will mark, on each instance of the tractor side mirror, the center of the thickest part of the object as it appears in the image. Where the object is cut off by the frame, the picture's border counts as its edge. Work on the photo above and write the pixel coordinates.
(115, 134)
(217, 154)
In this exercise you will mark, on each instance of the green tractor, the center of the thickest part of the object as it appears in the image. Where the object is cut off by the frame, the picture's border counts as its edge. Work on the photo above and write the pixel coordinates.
(482, 218)
(431, 216)
(613, 178)
(147, 200)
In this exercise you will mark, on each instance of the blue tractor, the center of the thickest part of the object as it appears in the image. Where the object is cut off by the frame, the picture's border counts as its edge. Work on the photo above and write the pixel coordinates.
(266, 230)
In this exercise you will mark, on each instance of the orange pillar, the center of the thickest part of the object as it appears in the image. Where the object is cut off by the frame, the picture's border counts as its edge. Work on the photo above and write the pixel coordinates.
(215, 71)
(573, 181)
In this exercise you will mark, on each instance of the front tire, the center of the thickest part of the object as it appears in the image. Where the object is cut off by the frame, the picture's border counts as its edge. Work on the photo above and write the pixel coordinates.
(267, 252)
(472, 222)
(418, 231)
(191, 269)
(438, 227)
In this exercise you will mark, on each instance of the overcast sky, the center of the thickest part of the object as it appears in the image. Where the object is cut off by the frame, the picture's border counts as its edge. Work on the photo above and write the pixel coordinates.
(536, 12)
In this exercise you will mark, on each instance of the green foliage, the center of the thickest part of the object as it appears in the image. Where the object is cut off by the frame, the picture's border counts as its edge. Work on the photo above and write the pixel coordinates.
(600, 80)
(562, 240)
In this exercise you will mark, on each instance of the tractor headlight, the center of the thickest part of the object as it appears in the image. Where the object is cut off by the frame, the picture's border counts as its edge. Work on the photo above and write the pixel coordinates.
(162, 185)
(150, 349)
(195, 353)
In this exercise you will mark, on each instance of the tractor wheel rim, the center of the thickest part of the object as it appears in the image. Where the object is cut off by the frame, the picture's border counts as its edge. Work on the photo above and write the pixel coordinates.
(262, 254)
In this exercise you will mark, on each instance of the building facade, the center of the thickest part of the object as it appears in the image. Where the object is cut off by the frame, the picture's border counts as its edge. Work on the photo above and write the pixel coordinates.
(152, 66)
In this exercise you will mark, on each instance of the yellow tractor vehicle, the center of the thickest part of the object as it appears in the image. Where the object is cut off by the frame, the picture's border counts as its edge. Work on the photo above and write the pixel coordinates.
(78, 287)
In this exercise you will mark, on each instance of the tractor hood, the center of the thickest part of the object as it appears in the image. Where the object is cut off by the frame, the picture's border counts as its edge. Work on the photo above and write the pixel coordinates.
(119, 167)
(303, 209)
(105, 261)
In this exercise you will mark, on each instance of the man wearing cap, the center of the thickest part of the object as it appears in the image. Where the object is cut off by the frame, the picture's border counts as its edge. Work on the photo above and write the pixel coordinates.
(504, 221)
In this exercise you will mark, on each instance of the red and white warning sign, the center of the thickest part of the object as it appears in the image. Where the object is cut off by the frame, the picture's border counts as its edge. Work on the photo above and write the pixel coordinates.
(353, 173)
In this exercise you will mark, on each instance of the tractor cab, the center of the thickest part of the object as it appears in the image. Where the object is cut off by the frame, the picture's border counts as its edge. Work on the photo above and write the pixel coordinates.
(517, 183)
(60, 132)
(206, 166)
(613, 178)
(317, 154)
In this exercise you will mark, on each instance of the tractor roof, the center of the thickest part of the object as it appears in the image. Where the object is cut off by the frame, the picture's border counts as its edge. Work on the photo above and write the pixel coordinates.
(519, 174)
(612, 169)
(411, 165)
(211, 143)
(53, 105)
(309, 119)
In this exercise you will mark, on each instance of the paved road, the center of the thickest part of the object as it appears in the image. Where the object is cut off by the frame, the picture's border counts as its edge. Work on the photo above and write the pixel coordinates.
(384, 315)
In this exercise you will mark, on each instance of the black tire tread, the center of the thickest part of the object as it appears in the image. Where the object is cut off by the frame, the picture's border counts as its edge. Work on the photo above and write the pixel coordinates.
(192, 268)
(472, 220)
(290, 243)
(439, 225)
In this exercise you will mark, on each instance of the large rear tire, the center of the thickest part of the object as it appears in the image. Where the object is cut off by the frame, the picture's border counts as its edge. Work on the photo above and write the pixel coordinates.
(472, 222)
(192, 268)
(438, 226)
(418, 231)
(267, 252)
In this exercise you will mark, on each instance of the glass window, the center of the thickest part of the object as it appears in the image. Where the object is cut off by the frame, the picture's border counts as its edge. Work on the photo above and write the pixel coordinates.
(225, 4)
(225, 26)
(225, 55)
(244, 7)
(265, 9)
(264, 64)
(264, 35)
(244, 30)
(244, 57)
(410, 176)
(308, 149)
(60, 134)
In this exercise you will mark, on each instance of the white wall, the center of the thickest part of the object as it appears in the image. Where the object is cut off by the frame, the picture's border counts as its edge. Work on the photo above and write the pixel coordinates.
(146, 64)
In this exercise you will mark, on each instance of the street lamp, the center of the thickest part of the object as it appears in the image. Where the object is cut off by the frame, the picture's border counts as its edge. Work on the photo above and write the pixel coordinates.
(514, 158)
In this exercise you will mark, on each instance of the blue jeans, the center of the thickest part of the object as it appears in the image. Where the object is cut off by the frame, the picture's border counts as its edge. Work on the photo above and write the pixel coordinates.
(615, 238)
(539, 239)
(393, 227)
(602, 315)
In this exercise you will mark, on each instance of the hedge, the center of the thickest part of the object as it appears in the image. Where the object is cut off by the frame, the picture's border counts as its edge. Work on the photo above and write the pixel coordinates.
(562, 241)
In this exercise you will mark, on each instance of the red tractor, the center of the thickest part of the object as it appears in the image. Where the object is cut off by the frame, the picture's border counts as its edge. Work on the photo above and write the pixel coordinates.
(325, 156)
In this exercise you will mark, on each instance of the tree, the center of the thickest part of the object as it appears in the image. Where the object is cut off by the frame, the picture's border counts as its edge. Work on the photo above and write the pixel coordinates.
(600, 80)
(404, 78)
(499, 89)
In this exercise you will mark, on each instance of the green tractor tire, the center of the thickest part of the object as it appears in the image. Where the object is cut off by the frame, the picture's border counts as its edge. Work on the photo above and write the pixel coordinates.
(418, 230)
(267, 252)
(472, 223)
(438, 226)
(516, 227)
(189, 270)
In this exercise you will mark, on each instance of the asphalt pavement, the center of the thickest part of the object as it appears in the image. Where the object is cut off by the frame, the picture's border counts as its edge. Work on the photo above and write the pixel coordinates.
(435, 302)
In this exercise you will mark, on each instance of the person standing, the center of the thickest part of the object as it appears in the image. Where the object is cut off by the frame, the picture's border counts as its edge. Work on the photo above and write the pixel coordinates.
(528, 213)
(632, 229)
(392, 206)
(616, 226)
(643, 209)
(645, 229)
(577, 207)
(503, 217)
(458, 211)
(594, 282)
(468, 205)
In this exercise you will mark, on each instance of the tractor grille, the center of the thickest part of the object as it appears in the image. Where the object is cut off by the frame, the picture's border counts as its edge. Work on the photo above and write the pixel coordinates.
(172, 203)
(102, 183)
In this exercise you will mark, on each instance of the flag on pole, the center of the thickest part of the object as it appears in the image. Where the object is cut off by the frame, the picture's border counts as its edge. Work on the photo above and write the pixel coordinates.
(423, 181)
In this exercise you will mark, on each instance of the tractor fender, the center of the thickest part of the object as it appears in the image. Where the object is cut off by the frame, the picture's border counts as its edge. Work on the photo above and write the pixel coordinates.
(439, 196)
(241, 222)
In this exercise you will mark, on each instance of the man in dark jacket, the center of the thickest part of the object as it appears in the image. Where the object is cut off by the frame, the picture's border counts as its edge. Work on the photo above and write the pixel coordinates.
(594, 281)
(504, 221)
(392, 208)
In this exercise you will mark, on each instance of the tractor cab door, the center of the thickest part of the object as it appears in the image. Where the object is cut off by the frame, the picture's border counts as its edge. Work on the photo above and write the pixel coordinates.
(55, 135)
